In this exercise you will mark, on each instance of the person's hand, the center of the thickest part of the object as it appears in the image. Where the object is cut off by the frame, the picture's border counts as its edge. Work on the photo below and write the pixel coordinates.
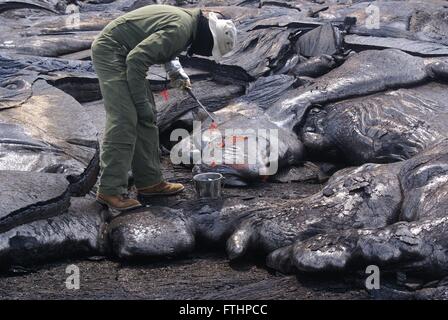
(178, 76)
(180, 79)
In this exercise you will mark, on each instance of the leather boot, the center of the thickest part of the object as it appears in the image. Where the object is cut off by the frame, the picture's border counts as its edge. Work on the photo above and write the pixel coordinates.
(161, 189)
(118, 202)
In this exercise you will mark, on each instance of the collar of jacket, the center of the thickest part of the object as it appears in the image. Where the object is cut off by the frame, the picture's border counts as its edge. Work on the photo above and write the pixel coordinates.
(202, 43)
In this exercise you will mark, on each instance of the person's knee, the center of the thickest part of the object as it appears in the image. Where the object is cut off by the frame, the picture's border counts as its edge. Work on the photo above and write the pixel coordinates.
(145, 114)
(122, 131)
(146, 118)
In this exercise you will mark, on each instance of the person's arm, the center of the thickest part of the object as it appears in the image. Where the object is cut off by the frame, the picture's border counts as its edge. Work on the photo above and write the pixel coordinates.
(158, 48)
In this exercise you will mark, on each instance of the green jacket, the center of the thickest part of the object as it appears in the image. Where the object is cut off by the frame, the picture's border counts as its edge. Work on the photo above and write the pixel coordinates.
(153, 34)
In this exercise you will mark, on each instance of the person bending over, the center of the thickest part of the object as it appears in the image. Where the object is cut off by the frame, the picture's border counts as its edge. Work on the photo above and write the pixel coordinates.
(121, 55)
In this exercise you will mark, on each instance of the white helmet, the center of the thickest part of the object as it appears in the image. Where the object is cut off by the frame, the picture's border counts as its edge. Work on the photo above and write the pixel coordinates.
(224, 35)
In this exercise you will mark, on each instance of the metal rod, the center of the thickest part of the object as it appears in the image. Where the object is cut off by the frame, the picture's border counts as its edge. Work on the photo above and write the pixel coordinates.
(199, 103)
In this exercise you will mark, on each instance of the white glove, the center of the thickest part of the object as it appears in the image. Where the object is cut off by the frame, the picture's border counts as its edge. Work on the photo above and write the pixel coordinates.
(178, 76)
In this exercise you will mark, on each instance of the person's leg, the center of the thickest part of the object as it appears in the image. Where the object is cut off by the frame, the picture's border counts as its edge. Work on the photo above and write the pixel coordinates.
(121, 118)
(119, 138)
(146, 160)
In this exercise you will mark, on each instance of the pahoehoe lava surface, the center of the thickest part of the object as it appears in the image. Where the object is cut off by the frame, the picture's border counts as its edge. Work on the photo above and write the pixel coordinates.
(313, 82)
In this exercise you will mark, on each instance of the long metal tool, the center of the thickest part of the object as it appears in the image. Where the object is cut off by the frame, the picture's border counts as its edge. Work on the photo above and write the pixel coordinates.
(199, 103)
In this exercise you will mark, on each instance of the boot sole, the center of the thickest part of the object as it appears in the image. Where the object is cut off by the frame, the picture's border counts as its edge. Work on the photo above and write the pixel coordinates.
(158, 194)
(104, 203)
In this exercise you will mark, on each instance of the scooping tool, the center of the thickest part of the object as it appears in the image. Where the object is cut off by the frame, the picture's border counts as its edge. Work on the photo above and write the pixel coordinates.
(199, 103)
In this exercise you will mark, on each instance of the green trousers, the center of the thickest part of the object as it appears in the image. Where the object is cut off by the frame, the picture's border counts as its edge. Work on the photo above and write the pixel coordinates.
(130, 142)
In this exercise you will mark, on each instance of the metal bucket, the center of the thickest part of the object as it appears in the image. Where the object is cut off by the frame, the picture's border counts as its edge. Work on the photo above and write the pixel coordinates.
(208, 185)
